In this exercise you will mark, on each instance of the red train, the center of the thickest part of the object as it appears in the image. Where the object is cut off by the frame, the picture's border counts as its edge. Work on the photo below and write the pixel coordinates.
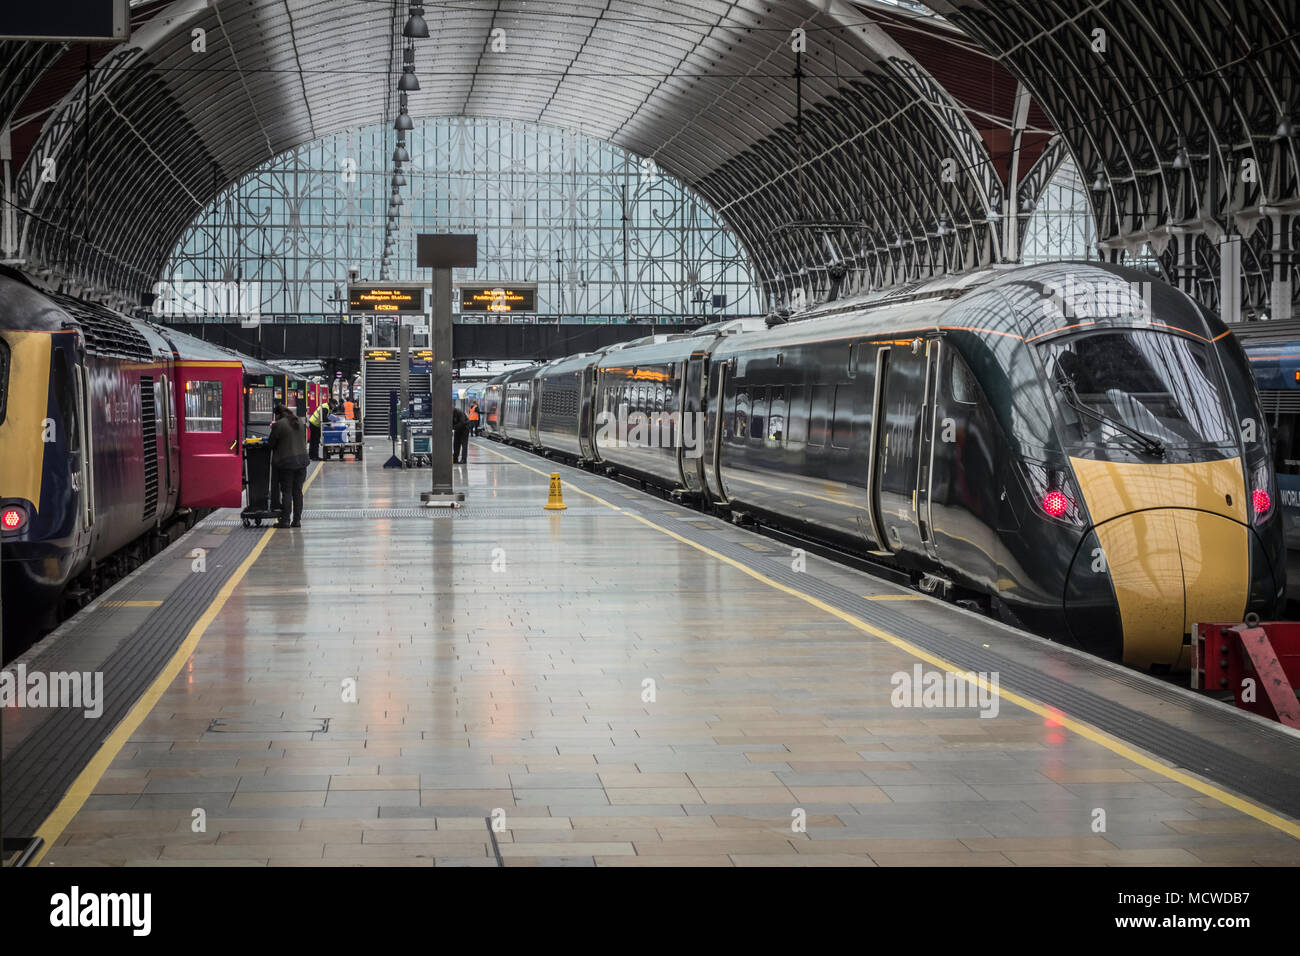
(114, 432)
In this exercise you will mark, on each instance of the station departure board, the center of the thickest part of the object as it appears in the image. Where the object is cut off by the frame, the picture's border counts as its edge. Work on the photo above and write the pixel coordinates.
(498, 298)
(366, 298)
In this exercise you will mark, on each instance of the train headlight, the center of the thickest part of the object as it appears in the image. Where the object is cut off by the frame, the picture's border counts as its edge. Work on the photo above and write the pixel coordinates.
(12, 519)
(1261, 495)
(1261, 501)
(1055, 503)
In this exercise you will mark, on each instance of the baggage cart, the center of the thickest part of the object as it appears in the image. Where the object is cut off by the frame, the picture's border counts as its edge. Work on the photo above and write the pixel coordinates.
(339, 439)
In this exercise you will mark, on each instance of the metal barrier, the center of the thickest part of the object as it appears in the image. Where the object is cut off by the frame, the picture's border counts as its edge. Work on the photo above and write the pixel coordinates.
(1258, 662)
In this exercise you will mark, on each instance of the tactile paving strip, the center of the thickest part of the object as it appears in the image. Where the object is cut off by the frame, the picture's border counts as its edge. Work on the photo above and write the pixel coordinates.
(42, 768)
(1274, 784)
(371, 514)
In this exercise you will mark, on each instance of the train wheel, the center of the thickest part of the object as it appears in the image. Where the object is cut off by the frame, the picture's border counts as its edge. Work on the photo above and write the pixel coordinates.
(258, 522)
(247, 523)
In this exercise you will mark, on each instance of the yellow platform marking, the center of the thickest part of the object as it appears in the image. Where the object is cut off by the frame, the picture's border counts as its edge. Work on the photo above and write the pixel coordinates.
(1058, 717)
(130, 603)
(82, 787)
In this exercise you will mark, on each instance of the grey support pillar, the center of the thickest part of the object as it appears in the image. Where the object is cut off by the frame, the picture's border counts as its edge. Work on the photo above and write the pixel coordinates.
(1230, 278)
(442, 253)
(1280, 291)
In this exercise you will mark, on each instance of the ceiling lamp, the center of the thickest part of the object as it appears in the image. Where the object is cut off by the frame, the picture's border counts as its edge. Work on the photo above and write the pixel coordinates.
(416, 28)
(1181, 158)
(408, 81)
(1101, 183)
(403, 118)
(398, 179)
(400, 155)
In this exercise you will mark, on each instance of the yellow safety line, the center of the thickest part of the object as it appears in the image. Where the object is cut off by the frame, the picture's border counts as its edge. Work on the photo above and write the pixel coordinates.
(90, 775)
(312, 477)
(1085, 730)
(82, 787)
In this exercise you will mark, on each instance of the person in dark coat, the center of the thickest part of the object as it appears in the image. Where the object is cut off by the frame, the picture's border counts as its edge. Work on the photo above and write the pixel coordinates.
(289, 458)
(460, 435)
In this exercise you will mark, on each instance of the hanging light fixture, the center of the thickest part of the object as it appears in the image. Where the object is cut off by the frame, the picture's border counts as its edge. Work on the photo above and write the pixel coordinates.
(1100, 184)
(1285, 127)
(1181, 159)
(398, 179)
(403, 117)
(408, 81)
(416, 28)
(400, 155)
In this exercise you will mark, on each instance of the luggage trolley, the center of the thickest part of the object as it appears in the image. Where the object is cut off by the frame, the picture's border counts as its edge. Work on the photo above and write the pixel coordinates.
(340, 438)
(258, 479)
(417, 442)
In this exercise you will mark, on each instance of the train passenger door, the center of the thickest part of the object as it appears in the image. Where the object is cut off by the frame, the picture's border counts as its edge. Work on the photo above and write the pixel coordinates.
(712, 437)
(86, 444)
(925, 463)
(690, 429)
(898, 447)
(210, 429)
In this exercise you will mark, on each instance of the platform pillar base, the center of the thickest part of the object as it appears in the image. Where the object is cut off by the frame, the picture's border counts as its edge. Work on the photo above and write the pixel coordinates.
(437, 499)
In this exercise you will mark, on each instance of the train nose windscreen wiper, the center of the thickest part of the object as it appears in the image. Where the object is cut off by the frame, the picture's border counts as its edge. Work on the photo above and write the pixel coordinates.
(1152, 444)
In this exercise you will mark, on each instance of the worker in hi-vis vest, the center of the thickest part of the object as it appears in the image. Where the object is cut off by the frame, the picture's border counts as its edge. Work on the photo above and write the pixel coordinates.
(316, 421)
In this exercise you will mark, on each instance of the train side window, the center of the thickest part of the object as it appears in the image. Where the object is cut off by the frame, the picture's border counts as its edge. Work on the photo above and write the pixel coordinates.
(758, 417)
(961, 382)
(776, 419)
(202, 406)
(796, 428)
(822, 396)
(842, 423)
(742, 413)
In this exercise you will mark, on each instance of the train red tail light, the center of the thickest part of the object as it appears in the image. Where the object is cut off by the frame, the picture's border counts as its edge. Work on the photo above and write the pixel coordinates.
(1055, 503)
(12, 519)
(1261, 501)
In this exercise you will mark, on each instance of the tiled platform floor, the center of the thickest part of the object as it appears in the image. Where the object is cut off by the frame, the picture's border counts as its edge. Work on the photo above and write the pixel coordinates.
(500, 660)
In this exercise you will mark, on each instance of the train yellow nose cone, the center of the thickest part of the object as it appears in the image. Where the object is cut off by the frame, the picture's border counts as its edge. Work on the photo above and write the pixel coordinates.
(1170, 569)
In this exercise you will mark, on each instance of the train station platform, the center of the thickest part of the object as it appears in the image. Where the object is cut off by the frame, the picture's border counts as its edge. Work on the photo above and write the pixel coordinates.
(623, 683)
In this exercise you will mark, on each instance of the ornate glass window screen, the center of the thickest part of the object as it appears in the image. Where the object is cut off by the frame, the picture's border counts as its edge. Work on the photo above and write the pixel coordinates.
(601, 231)
(1062, 225)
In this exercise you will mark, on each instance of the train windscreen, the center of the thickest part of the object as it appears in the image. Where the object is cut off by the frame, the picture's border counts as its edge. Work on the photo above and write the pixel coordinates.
(1134, 386)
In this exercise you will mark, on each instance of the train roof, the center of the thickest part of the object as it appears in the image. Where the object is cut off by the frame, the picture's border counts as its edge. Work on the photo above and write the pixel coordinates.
(106, 331)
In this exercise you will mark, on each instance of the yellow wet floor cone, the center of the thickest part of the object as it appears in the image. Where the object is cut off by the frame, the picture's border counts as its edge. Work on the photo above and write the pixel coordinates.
(556, 500)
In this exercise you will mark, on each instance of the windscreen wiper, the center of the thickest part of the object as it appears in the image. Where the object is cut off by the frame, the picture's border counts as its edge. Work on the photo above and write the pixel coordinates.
(1153, 445)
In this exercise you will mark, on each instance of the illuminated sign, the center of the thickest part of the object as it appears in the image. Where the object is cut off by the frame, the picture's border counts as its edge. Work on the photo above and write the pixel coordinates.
(498, 298)
(375, 355)
(366, 298)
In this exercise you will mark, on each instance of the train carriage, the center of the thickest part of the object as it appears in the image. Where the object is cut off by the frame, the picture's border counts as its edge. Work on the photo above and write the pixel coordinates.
(1067, 444)
(113, 432)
